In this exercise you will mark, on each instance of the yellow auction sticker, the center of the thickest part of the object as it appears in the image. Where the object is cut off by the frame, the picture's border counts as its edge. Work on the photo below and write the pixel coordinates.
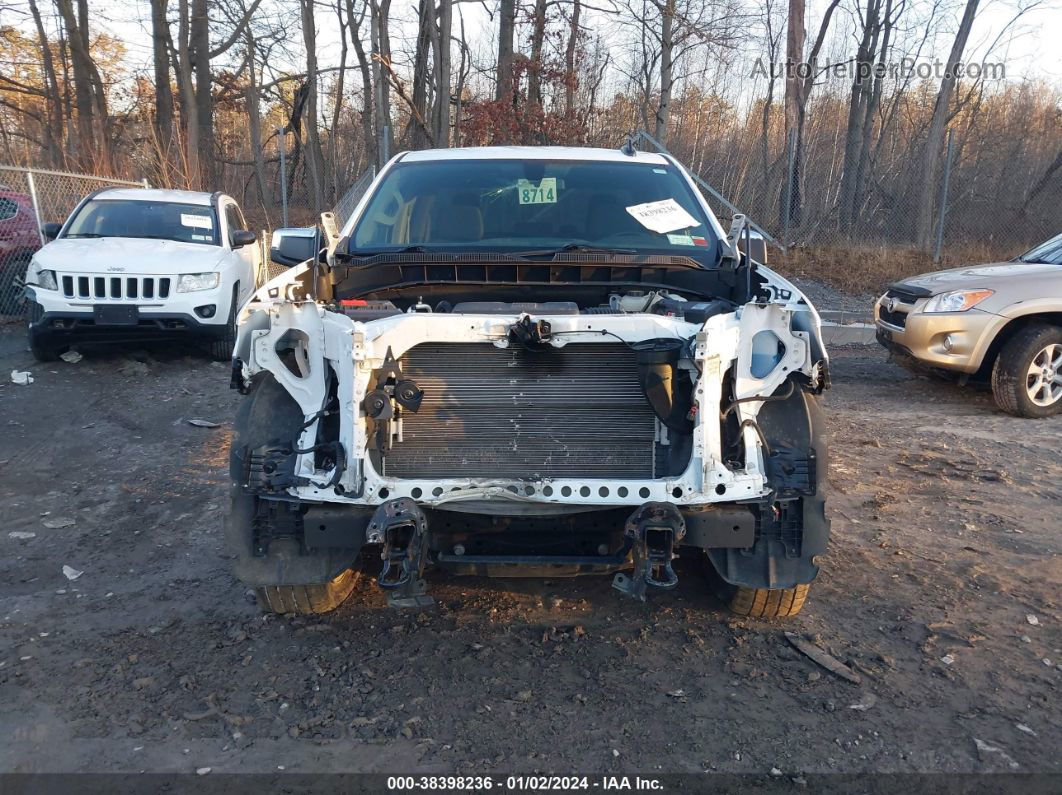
(545, 192)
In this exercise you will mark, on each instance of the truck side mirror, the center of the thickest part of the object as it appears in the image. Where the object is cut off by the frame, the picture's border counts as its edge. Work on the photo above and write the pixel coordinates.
(757, 247)
(51, 230)
(293, 246)
(242, 237)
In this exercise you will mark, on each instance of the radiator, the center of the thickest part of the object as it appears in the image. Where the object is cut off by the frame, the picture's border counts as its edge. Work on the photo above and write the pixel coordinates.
(571, 412)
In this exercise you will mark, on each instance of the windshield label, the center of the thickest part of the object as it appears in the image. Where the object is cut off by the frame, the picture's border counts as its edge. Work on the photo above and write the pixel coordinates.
(680, 240)
(662, 216)
(197, 221)
(545, 192)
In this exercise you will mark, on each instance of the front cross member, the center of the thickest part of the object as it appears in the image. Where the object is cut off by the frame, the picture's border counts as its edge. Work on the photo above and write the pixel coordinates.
(652, 530)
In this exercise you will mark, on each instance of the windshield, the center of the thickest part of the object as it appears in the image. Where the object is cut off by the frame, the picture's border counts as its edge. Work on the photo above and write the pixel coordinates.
(187, 223)
(527, 205)
(1049, 252)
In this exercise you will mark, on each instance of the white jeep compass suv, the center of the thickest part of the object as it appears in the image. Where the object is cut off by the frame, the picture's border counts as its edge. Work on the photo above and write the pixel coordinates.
(131, 263)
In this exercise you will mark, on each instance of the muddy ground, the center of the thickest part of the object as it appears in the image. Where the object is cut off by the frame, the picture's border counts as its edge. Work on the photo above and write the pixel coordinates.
(941, 590)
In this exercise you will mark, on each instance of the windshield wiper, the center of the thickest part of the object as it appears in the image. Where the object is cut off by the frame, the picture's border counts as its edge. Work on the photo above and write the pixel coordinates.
(580, 248)
(83, 234)
(385, 251)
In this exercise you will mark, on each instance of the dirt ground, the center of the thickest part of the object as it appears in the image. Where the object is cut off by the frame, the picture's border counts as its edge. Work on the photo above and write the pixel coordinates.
(941, 590)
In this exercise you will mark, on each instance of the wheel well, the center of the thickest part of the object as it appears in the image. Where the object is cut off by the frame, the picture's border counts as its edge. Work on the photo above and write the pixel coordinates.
(1007, 333)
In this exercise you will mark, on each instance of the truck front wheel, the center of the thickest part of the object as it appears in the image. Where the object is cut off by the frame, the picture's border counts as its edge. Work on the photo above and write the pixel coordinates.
(307, 599)
(768, 603)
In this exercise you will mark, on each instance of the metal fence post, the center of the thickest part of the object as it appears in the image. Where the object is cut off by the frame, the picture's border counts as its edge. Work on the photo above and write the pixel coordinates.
(36, 204)
(944, 199)
(790, 173)
(283, 179)
(385, 145)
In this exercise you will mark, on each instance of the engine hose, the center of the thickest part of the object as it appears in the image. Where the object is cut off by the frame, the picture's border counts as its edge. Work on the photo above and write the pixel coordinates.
(751, 423)
(754, 398)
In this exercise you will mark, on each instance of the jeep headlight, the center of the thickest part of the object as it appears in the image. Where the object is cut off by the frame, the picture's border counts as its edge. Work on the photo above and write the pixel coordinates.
(956, 301)
(191, 282)
(46, 280)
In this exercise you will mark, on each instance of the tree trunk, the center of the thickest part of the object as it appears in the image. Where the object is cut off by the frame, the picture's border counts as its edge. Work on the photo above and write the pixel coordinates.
(53, 129)
(365, 69)
(441, 114)
(571, 80)
(873, 104)
(163, 92)
(667, 66)
(926, 179)
(506, 29)
(314, 154)
(254, 123)
(189, 116)
(199, 45)
(795, 38)
(534, 69)
(337, 108)
(381, 48)
(419, 133)
(797, 90)
(857, 115)
(83, 99)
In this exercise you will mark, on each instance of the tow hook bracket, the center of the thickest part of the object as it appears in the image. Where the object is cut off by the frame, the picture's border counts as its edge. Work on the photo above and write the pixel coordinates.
(401, 527)
(532, 334)
(652, 530)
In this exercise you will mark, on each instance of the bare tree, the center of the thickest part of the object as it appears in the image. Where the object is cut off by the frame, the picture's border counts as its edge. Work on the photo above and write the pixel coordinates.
(799, 80)
(314, 155)
(91, 100)
(504, 88)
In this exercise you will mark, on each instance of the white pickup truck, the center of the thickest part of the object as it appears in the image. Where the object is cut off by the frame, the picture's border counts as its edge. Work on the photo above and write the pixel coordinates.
(517, 361)
(131, 263)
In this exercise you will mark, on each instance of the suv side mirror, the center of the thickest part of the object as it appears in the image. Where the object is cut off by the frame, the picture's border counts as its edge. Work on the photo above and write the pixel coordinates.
(242, 237)
(294, 245)
(51, 230)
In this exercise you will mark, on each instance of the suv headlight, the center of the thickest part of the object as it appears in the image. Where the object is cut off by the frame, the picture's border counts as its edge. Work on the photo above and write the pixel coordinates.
(46, 280)
(956, 301)
(190, 282)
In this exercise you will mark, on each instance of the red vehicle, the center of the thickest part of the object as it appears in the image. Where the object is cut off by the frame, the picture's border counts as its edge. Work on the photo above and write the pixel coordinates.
(19, 238)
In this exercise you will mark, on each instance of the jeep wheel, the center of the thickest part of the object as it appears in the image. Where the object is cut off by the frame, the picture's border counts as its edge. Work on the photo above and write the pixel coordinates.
(768, 603)
(307, 599)
(1027, 375)
(41, 351)
(221, 348)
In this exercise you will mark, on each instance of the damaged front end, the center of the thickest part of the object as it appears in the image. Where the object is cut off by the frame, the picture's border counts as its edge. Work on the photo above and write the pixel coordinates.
(552, 438)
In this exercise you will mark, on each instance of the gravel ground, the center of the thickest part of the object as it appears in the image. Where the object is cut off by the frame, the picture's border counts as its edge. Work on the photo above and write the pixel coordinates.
(829, 298)
(941, 590)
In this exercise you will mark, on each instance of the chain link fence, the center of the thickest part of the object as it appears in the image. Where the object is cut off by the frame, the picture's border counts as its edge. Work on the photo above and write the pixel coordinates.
(30, 198)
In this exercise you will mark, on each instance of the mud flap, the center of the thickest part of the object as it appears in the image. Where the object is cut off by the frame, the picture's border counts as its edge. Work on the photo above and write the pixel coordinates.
(653, 531)
(401, 527)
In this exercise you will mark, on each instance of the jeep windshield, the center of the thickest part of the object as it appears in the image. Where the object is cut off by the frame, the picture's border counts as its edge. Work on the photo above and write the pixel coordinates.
(154, 220)
(534, 208)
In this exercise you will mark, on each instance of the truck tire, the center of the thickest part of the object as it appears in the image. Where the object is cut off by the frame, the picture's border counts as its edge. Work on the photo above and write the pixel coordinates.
(284, 580)
(307, 599)
(767, 603)
(1036, 347)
